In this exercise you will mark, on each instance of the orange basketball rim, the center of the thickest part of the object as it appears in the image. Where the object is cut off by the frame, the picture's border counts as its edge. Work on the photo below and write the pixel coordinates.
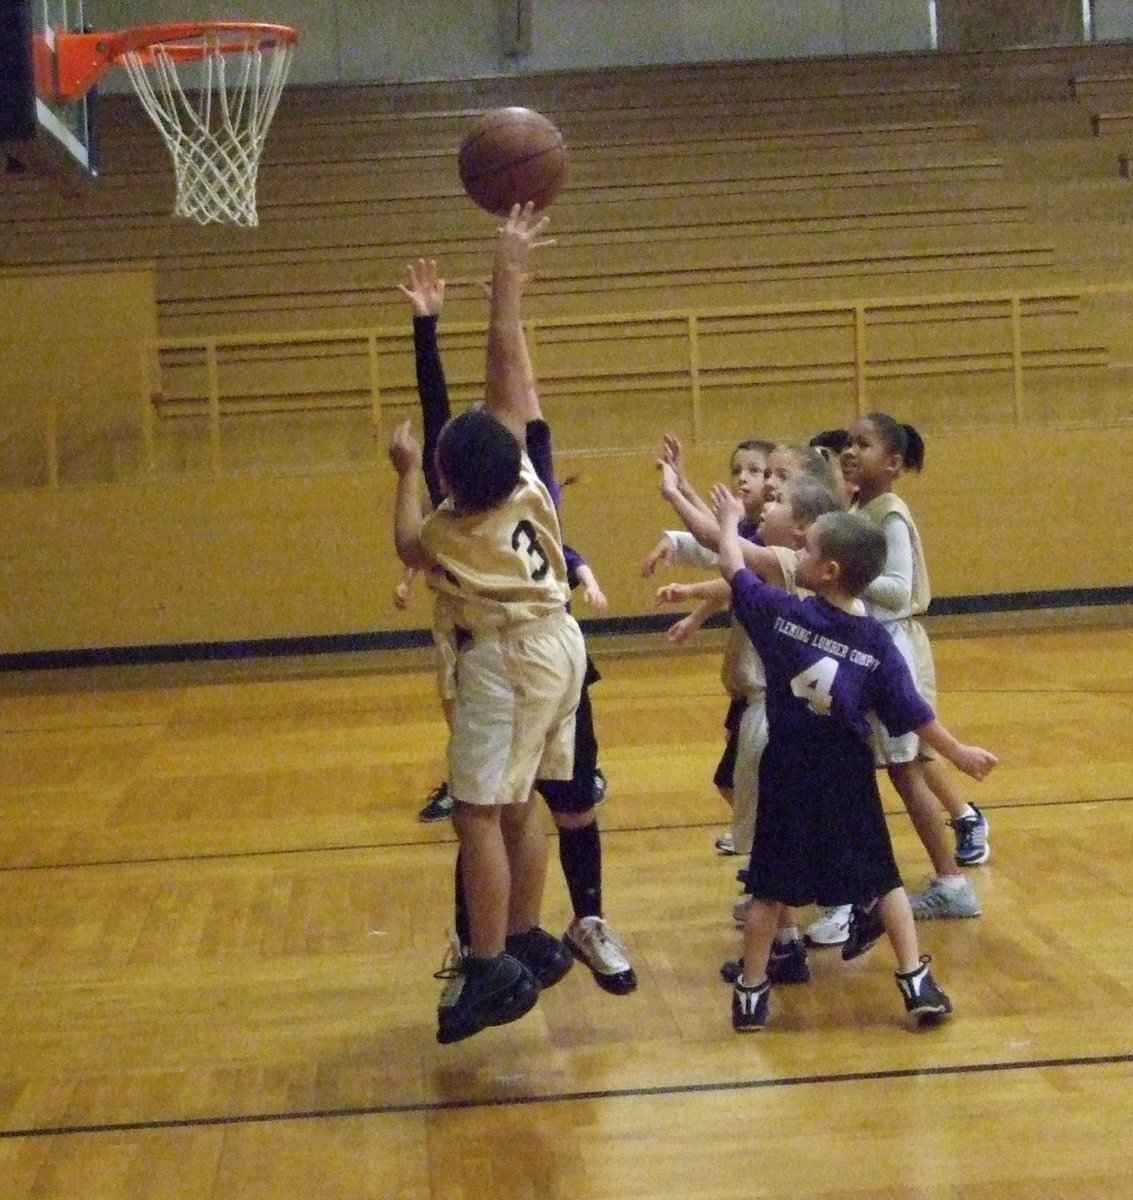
(68, 65)
(213, 122)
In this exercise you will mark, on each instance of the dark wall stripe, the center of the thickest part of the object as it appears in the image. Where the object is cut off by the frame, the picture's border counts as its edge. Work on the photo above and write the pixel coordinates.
(115, 656)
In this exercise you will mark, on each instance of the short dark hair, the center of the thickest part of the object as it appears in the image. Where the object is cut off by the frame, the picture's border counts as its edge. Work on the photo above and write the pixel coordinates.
(759, 444)
(480, 460)
(832, 439)
(856, 544)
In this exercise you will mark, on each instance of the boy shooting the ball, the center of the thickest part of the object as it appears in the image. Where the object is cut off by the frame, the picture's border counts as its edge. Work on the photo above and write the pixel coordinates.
(493, 552)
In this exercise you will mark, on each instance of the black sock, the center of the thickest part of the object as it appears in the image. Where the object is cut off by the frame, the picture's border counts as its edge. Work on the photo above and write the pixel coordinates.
(580, 852)
(461, 923)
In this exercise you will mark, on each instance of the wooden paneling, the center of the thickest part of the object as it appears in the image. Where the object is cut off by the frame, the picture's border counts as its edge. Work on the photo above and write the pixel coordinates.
(740, 251)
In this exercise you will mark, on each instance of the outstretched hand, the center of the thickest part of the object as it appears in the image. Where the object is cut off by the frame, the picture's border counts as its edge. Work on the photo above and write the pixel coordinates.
(425, 290)
(595, 598)
(404, 449)
(673, 593)
(726, 504)
(670, 486)
(661, 553)
(519, 235)
(673, 452)
(680, 631)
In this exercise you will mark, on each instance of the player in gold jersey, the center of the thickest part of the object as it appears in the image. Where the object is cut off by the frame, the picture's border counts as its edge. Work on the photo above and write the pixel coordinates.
(493, 552)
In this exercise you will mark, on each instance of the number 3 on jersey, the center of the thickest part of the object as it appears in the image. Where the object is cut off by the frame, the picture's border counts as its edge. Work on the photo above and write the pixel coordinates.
(524, 541)
(815, 685)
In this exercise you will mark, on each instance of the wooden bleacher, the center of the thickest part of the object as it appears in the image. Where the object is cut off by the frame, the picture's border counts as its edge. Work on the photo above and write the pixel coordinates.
(1109, 96)
(693, 189)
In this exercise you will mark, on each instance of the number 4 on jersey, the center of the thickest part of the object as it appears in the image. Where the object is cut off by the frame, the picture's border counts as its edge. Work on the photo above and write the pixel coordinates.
(815, 685)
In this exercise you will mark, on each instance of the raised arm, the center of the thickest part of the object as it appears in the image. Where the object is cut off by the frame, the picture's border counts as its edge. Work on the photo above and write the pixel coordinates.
(674, 452)
(405, 455)
(425, 291)
(699, 522)
(509, 393)
(729, 510)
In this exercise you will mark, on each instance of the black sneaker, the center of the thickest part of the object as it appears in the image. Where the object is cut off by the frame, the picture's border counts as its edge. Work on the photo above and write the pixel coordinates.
(438, 806)
(923, 997)
(541, 953)
(750, 1007)
(865, 929)
(787, 963)
(600, 786)
(483, 992)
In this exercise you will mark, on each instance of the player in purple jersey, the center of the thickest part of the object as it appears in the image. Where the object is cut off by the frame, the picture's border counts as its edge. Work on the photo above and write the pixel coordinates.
(820, 830)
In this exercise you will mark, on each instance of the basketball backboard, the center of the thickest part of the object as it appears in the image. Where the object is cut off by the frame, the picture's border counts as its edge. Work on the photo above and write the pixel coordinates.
(36, 130)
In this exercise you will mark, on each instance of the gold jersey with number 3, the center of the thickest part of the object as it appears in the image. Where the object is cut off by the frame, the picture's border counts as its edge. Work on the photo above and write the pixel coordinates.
(500, 567)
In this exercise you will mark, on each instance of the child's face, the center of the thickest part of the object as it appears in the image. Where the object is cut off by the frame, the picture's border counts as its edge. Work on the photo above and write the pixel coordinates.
(812, 571)
(782, 463)
(867, 463)
(778, 525)
(747, 480)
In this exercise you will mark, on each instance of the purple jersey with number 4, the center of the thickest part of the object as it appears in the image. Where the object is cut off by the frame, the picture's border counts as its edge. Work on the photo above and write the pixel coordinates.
(826, 668)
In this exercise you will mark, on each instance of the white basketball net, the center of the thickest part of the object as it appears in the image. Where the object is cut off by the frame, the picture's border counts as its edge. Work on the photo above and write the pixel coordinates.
(215, 132)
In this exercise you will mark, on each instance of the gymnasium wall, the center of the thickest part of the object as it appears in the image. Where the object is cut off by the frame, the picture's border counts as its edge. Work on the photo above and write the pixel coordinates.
(358, 40)
(306, 556)
(355, 41)
(943, 238)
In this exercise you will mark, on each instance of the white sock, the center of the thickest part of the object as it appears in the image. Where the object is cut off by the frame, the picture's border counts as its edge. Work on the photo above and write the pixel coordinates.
(752, 987)
(969, 811)
(954, 883)
(786, 935)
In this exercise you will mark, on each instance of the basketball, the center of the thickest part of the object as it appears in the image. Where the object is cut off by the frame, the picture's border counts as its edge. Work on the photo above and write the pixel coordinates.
(511, 156)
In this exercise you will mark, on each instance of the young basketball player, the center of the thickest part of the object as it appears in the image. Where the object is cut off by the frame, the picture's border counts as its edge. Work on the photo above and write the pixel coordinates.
(574, 802)
(740, 671)
(494, 555)
(822, 832)
(880, 450)
(743, 673)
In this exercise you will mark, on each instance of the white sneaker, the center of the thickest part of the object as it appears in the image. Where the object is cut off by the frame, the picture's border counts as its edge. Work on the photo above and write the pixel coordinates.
(725, 845)
(832, 928)
(595, 944)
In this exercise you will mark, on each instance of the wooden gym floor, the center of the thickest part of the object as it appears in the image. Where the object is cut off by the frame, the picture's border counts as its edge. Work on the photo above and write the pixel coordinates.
(220, 919)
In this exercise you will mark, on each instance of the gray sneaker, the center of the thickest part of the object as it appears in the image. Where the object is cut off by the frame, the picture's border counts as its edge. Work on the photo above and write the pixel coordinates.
(940, 902)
